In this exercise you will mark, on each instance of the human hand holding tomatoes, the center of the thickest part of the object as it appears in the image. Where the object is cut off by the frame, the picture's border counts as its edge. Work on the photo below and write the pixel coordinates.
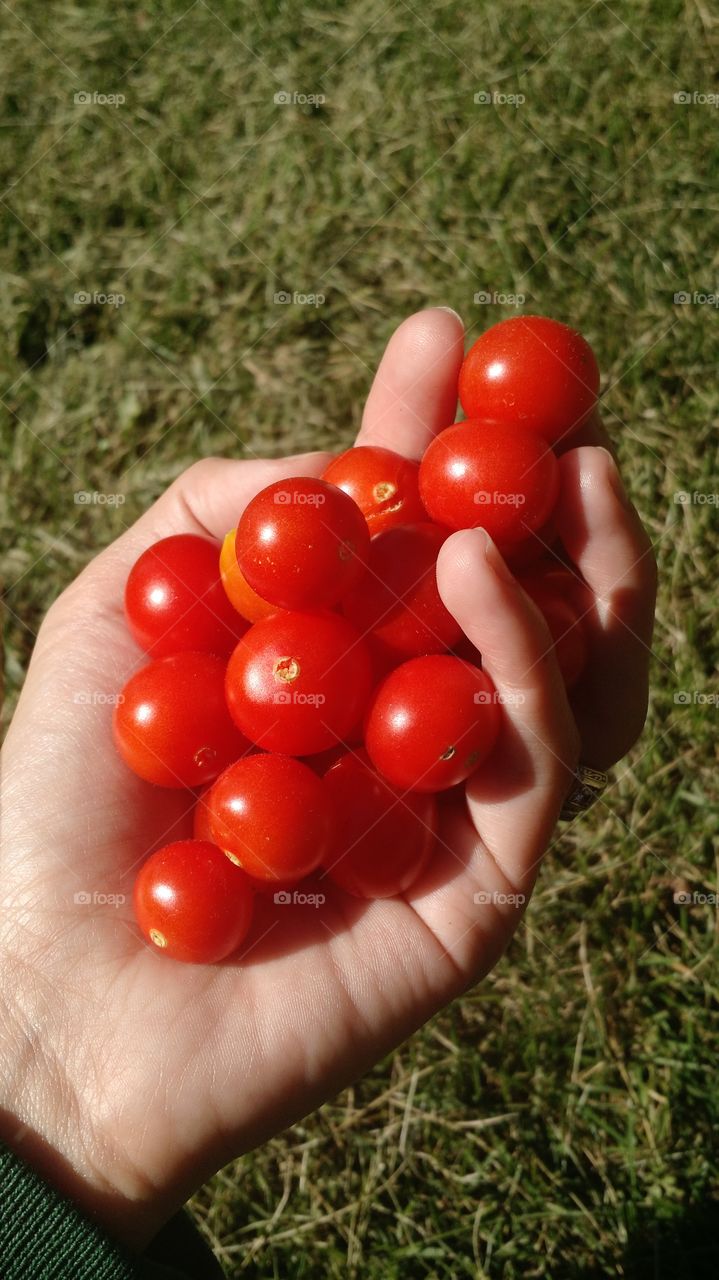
(177, 1068)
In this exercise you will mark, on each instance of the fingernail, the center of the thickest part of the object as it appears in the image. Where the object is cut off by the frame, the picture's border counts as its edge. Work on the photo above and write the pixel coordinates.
(615, 478)
(496, 561)
(450, 311)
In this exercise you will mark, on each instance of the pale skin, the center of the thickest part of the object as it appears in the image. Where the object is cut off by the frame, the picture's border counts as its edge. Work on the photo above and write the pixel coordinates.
(126, 1079)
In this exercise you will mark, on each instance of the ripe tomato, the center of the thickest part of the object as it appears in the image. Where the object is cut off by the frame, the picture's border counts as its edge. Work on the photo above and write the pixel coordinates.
(172, 726)
(302, 543)
(383, 838)
(384, 485)
(555, 593)
(174, 599)
(237, 588)
(398, 598)
(298, 683)
(273, 816)
(533, 372)
(504, 479)
(192, 903)
(432, 722)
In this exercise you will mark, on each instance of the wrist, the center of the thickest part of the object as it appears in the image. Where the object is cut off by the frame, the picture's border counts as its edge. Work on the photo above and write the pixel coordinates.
(45, 1122)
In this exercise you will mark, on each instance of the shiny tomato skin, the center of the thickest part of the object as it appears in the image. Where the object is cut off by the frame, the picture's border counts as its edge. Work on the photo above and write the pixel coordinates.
(398, 599)
(272, 814)
(531, 371)
(479, 474)
(384, 485)
(191, 903)
(174, 600)
(237, 589)
(383, 837)
(432, 722)
(298, 683)
(556, 594)
(302, 543)
(172, 726)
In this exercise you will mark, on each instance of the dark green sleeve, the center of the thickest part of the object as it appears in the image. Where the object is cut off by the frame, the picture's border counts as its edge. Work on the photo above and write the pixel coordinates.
(45, 1237)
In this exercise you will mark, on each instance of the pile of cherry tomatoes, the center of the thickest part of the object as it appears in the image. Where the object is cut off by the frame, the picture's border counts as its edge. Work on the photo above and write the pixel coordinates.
(306, 681)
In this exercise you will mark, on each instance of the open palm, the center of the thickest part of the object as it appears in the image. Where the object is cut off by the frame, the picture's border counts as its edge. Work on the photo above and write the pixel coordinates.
(134, 1078)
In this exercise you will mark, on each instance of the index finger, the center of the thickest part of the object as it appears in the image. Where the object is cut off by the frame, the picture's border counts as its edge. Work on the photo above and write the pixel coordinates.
(414, 393)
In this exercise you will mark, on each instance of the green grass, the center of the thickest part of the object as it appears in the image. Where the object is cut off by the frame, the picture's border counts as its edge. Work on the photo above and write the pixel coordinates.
(560, 1121)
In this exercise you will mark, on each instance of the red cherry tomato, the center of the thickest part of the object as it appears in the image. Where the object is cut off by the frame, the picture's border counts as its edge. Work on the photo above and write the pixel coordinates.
(298, 683)
(172, 726)
(504, 479)
(237, 589)
(432, 722)
(384, 485)
(555, 594)
(302, 543)
(398, 598)
(383, 838)
(174, 601)
(273, 816)
(531, 371)
(192, 903)
(526, 554)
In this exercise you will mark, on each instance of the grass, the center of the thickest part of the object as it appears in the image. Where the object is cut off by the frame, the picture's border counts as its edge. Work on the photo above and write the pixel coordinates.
(560, 1121)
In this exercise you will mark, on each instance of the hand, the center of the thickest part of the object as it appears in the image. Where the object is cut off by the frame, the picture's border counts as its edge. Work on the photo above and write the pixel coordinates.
(127, 1079)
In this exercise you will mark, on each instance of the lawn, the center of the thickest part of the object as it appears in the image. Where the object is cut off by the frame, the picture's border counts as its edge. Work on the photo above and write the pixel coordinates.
(561, 1121)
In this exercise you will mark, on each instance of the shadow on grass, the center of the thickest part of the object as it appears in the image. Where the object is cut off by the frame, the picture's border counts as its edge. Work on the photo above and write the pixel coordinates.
(687, 1248)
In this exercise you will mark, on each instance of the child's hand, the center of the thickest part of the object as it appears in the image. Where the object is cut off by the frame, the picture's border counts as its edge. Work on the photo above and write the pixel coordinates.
(127, 1079)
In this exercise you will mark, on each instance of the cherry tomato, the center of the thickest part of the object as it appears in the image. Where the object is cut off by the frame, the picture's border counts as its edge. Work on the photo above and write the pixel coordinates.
(432, 722)
(531, 371)
(383, 838)
(302, 543)
(384, 485)
(174, 599)
(398, 598)
(192, 903)
(238, 590)
(504, 479)
(298, 683)
(536, 547)
(273, 815)
(555, 594)
(172, 726)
